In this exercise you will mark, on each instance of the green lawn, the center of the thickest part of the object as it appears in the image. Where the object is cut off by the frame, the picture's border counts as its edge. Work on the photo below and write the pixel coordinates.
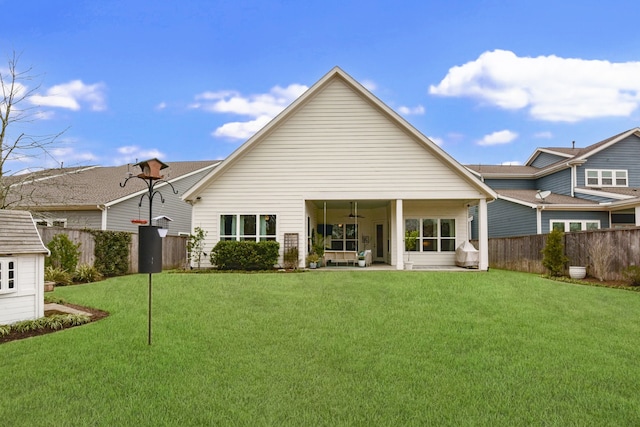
(333, 348)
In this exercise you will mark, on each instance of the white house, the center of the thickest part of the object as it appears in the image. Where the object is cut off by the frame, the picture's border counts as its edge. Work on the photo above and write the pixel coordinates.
(340, 162)
(21, 268)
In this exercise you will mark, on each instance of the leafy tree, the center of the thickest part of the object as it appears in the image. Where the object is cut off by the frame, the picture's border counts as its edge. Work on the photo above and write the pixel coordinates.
(64, 253)
(195, 245)
(553, 257)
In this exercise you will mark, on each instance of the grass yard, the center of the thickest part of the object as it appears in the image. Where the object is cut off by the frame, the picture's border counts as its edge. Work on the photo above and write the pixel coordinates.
(333, 348)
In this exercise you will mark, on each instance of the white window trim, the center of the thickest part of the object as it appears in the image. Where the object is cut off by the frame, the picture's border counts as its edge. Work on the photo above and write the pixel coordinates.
(4, 276)
(613, 177)
(567, 222)
(239, 237)
(49, 222)
(438, 238)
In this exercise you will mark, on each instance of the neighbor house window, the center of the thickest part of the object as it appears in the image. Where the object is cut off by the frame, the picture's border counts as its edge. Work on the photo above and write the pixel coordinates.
(606, 178)
(248, 227)
(434, 234)
(60, 222)
(574, 225)
(8, 280)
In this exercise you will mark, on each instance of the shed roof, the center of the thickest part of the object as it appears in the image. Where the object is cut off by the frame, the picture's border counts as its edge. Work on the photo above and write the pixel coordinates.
(18, 234)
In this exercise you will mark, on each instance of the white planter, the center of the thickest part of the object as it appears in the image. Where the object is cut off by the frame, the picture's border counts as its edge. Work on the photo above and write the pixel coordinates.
(313, 265)
(408, 265)
(576, 272)
(361, 263)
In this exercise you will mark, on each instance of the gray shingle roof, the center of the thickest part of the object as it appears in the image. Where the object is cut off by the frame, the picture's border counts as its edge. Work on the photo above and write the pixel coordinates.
(90, 186)
(529, 196)
(18, 234)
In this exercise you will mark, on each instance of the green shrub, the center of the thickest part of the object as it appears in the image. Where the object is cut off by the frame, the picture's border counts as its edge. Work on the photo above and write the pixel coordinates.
(632, 275)
(86, 273)
(291, 258)
(59, 276)
(55, 322)
(4, 330)
(111, 252)
(553, 258)
(245, 255)
(64, 253)
(195, 245)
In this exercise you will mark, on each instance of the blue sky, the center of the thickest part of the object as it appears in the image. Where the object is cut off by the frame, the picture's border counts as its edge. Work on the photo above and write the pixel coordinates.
(489, 81)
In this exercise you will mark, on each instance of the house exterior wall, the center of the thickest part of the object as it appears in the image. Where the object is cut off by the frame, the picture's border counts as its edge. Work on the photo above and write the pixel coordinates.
(510, 219)
(27, 302)
(91, 219)
(545, 159)
(511, 184)
(335, 146)
(559, 182)
(119, 215)
(548, 215)
(621, 155)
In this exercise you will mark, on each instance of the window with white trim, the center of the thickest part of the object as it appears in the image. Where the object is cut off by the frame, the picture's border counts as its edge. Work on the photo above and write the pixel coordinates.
(434, 234)
(59, 222)
(248, 227)
(606, 178)
(569, 225)
(8, 278)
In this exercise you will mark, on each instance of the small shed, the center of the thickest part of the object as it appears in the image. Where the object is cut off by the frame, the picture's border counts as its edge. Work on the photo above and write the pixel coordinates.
(21, 268)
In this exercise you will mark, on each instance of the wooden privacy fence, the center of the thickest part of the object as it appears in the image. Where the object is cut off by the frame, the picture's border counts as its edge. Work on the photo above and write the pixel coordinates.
(174, 248)
(524, 253)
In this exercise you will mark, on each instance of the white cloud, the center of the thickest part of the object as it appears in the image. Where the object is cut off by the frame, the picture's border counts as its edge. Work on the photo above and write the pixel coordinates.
(73, 96)
(437, 141)
(551, 88)
(408, 111)
(161, 106)
(497, 138)
(370, 85)
(260, 108)
(514, 163)
(543, 135)
(133, 154)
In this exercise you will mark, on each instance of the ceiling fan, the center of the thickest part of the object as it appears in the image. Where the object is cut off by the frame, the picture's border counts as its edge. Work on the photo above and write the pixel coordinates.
(353, 215)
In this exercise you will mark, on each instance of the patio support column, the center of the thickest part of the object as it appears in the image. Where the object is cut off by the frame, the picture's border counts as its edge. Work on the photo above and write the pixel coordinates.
(637, 216)
(483, 236)
(399, 235)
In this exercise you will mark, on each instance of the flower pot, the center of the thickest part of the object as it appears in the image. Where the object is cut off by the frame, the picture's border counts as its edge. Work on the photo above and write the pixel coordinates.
(408, 265)
(313, 265)
(48, 286)
(576, 272)
(361, 263)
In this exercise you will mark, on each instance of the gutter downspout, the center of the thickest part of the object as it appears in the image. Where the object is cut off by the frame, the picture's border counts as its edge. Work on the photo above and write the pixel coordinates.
(574, 179)
(103, 225)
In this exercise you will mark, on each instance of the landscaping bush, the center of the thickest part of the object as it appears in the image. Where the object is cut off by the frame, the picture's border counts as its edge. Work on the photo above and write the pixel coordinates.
(64, 253)
(291, 258)
(195, 245)
(553, 257)
(245, 255)
(632, 275)
(86, 273)
(111, 252)
(59, 276)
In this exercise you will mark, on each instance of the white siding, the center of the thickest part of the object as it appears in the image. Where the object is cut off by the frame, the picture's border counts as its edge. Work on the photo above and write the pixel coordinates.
(27, 303)
(335, 146)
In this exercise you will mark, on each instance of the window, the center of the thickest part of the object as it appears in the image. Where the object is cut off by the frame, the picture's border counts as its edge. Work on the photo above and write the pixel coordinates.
(58, 222)
(606, 178)
(248, 227)
(344, 237)
(434, 234)
(8, 280)
(574, 225)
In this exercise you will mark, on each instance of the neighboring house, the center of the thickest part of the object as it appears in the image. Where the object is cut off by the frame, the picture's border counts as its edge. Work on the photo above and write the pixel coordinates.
(340, 162)
(92, 197)
(571, 189)
(21, 268)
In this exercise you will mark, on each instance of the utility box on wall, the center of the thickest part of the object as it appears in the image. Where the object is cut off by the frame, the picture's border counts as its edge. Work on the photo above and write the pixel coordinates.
(149, 250)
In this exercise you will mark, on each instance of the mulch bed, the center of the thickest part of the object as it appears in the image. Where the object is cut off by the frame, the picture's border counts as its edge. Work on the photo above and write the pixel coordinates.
(95, 316)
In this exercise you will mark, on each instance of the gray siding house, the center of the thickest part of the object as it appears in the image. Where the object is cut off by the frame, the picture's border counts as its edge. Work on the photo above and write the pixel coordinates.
(570, 189)
(91, 197)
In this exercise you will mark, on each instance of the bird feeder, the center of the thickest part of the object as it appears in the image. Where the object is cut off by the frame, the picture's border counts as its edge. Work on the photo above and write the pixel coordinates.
(162, 222)
(151, 169)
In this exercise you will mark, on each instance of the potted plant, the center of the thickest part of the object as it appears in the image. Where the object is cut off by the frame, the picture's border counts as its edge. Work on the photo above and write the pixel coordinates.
(410, 238)
(361, 261)
(317, 246)
(313, 259)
